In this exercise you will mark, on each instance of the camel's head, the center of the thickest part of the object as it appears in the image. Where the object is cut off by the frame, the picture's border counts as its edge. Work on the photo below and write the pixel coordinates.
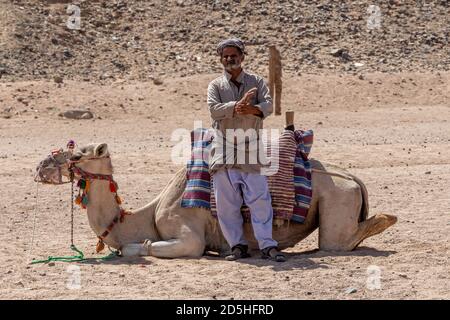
(93, 158)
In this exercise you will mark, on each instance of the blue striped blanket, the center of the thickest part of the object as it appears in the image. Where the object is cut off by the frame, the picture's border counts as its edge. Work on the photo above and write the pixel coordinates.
(290, 187)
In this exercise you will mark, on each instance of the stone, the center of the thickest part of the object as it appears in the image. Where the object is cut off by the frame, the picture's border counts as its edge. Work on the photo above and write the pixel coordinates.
(58, 79)
(2, 71)
(350, 290)
(336, 52)
(77, 114)
(67, 54)
(341, 53)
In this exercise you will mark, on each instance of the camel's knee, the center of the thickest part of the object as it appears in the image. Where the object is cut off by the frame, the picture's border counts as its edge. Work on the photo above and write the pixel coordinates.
(194, 247)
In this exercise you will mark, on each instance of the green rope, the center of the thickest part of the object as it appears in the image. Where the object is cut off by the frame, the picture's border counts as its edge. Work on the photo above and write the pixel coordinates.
(75, 258)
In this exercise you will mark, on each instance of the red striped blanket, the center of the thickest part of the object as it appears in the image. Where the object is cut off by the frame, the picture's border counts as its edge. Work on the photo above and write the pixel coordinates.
(290, 187)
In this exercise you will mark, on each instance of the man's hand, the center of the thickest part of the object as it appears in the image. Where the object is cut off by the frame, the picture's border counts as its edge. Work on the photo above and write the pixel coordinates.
(248, 95)
(243, 106)
(243, 109)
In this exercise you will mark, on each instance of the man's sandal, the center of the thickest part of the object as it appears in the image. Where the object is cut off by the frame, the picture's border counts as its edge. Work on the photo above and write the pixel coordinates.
(239, 251)
(273, 254)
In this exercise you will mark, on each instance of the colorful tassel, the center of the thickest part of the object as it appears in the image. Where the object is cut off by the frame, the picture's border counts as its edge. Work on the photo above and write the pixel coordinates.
(81, 184)
(100, 246)
(112, 186)
(78, 200)
(118, 199)
(84, 200)
(88, 185)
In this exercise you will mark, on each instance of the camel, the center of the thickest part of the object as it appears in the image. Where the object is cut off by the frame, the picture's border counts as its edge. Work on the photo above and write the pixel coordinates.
(164, 229)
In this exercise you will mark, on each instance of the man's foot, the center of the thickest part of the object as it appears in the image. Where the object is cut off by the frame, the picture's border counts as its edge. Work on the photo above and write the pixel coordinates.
(239, 251)
(272, 253)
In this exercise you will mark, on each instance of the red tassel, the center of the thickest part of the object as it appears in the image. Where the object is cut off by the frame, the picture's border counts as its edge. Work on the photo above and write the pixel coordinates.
(112, 186)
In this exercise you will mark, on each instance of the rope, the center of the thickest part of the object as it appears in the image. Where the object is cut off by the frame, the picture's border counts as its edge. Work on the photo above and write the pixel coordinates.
(34, 218)
(71, 209)
(77, 257)
(80, 255)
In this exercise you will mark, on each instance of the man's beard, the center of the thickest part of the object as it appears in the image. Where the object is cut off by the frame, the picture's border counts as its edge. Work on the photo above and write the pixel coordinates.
(234, 66)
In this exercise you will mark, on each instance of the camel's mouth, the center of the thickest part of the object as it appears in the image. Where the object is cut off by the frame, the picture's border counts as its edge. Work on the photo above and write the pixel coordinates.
(49, 170)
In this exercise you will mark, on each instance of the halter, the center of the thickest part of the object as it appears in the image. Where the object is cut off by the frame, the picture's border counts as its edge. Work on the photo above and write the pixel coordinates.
(84, 183)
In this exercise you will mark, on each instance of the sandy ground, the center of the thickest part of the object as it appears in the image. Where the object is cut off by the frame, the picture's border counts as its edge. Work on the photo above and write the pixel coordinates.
(393, 131)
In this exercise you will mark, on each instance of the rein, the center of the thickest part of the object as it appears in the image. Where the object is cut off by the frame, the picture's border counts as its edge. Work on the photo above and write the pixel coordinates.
(84, 184)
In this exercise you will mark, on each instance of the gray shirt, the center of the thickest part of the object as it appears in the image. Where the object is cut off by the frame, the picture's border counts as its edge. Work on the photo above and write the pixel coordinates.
(223, 95)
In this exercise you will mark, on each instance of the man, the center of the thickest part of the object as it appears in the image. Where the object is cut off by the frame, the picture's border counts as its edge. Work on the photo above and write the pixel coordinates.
(238, 102)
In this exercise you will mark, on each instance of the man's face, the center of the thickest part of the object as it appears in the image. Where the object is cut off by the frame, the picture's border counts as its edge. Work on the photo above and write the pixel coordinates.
(231, 58)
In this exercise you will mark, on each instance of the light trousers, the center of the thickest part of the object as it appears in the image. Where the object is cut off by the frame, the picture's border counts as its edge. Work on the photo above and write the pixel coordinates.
(232, 187)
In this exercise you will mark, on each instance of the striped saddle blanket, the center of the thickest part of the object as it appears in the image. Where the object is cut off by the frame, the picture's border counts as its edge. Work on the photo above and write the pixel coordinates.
(290, 187)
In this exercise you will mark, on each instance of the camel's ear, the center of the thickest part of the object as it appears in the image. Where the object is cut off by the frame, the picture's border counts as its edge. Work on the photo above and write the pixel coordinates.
(101, 150)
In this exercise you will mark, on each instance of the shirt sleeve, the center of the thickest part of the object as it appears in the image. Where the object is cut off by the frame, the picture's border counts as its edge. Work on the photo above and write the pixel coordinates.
(264, 100)
(217, 108)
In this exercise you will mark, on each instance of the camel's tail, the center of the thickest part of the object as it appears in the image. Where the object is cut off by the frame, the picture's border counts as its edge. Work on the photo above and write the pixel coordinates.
(365, 199)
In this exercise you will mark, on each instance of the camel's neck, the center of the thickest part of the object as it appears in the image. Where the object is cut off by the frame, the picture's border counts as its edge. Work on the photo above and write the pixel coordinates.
(102, 208)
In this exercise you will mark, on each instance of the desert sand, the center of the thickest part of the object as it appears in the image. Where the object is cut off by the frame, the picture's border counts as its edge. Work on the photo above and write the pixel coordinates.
(391, 130)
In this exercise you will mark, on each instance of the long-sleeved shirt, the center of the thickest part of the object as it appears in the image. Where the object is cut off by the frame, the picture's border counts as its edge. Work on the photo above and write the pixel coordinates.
(244, 152)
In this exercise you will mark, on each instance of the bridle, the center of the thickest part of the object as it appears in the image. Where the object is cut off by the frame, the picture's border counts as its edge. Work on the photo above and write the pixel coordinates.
(84, 183)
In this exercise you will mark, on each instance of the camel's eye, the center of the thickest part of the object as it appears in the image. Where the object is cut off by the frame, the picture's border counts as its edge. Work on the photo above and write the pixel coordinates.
(83, 150)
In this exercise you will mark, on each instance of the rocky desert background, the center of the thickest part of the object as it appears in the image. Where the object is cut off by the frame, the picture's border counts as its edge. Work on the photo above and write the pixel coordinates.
(377, 99)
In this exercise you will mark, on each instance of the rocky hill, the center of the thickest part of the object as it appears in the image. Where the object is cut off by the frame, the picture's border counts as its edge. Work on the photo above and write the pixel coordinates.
(144, 40)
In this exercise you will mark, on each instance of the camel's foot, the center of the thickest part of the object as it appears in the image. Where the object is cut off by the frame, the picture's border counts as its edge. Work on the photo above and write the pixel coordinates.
(136, 249)
(372, 226)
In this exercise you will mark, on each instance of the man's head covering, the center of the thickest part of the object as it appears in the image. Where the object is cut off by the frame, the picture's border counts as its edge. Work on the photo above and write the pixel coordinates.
(237, 43)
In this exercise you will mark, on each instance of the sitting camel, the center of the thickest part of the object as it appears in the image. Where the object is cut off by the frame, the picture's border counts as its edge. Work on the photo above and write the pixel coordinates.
(164, 229)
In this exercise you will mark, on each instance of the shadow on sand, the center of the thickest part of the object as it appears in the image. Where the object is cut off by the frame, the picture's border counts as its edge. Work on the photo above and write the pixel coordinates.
(295, 260)
(304, 260)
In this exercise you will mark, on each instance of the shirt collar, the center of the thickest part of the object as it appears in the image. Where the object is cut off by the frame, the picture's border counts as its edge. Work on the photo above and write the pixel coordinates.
(239, 79)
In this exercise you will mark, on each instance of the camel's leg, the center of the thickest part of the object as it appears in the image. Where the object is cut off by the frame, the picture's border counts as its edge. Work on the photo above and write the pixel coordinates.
(372, 226)
(338, 219)
(339, 212)
(175, 248)
(172, 248)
